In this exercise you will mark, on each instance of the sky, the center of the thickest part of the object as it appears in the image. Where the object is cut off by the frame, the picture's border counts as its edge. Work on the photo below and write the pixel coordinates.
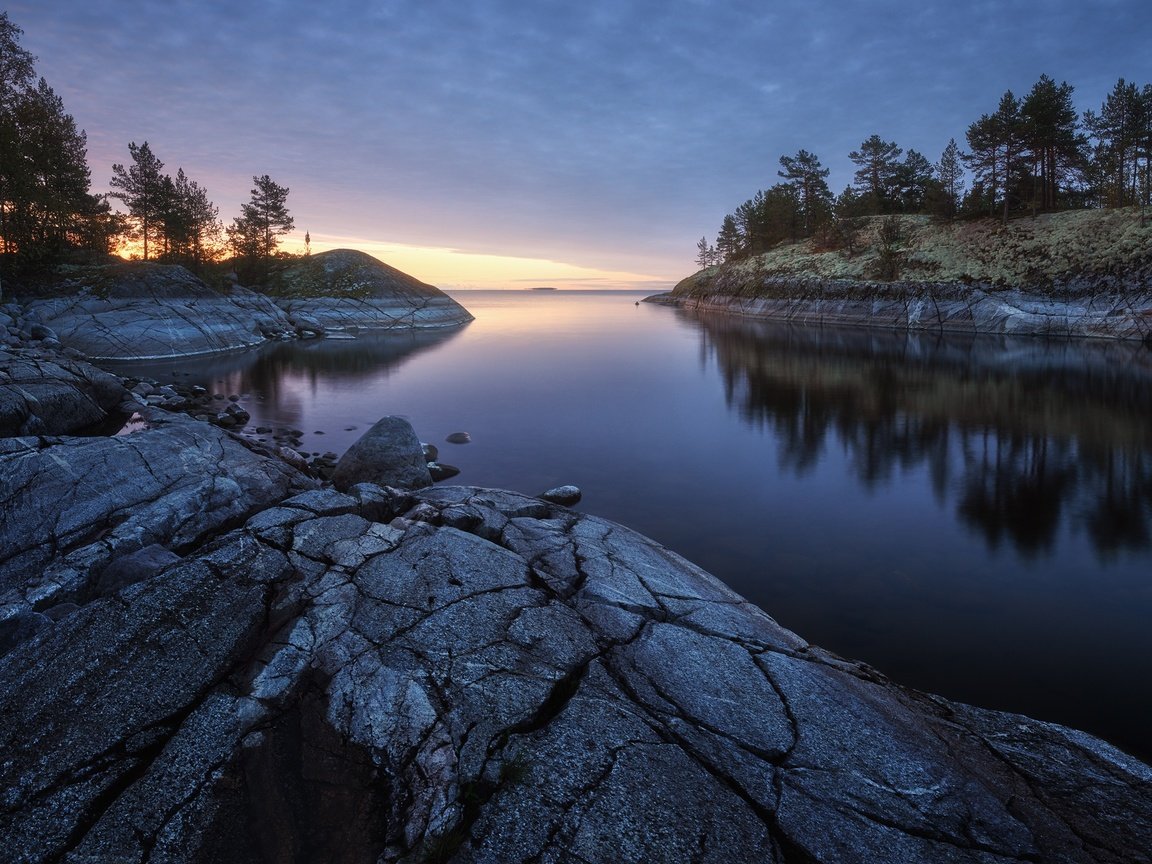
(514, 143)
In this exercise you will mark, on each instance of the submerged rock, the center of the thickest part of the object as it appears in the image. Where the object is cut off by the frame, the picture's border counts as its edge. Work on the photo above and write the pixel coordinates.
(388, 454)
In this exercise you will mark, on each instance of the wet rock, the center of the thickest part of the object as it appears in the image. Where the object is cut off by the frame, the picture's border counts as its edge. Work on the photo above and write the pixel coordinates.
(431, 451)
(565, 495)
(388, 454)
(466, 674)
(459, 438)
(440, 471)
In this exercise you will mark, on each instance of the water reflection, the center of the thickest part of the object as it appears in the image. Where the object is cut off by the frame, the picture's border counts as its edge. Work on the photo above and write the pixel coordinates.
(279, 372)
(1020, 435)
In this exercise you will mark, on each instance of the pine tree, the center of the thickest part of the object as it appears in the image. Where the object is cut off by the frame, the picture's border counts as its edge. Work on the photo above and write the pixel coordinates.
(728, 240)
(703, 259)
(145, 192)
(950, 174)
(877, 174)
(1123, 123)
(807, 177)
(255, 233)
(1050, 128)
(912, 179)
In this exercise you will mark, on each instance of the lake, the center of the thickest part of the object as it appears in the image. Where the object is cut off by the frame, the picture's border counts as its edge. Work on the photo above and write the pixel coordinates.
(971, 516)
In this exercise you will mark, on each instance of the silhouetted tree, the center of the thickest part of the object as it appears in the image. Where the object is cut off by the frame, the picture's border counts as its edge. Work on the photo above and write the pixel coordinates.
(728, 240)
(145, 192)
(1123, 133)
(255, 233)
(995, 143)
(912, 179)
(45, 205)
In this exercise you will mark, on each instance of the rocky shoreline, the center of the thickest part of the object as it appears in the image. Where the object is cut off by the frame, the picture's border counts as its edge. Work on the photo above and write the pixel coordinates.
(210, 654)
(927, 306)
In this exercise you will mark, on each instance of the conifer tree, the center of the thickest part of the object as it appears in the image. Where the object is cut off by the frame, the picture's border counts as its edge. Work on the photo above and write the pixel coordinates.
(950, 174)
(877, 173)
(807, 177)
(255, 233)
(1050, 131)
(144, 191)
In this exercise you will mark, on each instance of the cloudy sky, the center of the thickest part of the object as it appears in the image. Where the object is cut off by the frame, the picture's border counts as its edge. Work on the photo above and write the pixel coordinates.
(511, 142)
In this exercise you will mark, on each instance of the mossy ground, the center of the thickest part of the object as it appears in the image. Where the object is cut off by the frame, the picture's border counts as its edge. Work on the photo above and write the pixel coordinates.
(1031, 253)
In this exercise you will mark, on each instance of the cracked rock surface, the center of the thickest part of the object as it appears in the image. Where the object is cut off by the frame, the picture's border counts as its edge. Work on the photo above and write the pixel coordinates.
(470, 675)
(53, 396)
(72, 506)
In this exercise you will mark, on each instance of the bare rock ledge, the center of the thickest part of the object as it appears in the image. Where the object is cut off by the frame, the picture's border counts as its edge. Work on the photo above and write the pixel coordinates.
(466, 675)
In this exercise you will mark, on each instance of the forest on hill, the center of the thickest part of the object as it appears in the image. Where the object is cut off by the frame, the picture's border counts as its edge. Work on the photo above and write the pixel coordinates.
(1031, 155)
(49, 215)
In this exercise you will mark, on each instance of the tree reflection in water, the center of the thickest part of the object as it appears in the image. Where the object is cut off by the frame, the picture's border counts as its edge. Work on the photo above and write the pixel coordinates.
(1028, 436)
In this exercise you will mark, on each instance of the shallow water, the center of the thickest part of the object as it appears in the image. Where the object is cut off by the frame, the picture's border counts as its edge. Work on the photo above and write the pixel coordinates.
(972, 516)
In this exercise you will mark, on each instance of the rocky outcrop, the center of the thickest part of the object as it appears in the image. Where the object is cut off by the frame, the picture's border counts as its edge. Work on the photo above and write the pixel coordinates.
(73, 506)
(42, 396)
(1124, 313)
(344, 290)
(142, 311)
(460, 674)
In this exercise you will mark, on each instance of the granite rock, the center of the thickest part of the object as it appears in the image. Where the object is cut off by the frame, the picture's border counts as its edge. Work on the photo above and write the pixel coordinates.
(469, 675)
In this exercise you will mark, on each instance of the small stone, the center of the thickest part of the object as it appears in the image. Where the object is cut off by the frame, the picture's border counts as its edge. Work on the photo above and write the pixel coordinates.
(459, 438)
(440, 471)
(563, 495)
(431, 452)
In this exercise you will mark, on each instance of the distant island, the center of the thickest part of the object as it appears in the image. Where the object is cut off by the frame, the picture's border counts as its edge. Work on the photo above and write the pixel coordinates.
(543, 288)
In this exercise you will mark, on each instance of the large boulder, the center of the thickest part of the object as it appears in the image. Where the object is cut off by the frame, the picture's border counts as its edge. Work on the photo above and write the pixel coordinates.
(141, 311)
(347, 290)
(40, 396)
(468, 675)
(388, 454)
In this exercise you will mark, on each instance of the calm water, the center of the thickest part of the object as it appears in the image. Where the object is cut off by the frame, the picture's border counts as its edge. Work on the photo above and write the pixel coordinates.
(971, 516)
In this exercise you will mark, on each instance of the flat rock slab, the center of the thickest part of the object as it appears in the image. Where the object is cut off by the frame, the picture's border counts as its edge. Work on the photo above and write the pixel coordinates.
(145, 311)
(469, 675)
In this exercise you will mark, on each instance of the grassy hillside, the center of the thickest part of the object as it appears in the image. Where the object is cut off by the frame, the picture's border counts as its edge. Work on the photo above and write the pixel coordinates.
(1037, 254)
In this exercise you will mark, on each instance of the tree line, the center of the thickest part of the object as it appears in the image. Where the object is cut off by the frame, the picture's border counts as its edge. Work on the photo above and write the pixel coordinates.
(48, 211)
(1030, 155)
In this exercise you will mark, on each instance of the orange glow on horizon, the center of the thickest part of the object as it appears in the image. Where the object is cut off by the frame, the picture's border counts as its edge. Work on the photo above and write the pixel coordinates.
(455, 269)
